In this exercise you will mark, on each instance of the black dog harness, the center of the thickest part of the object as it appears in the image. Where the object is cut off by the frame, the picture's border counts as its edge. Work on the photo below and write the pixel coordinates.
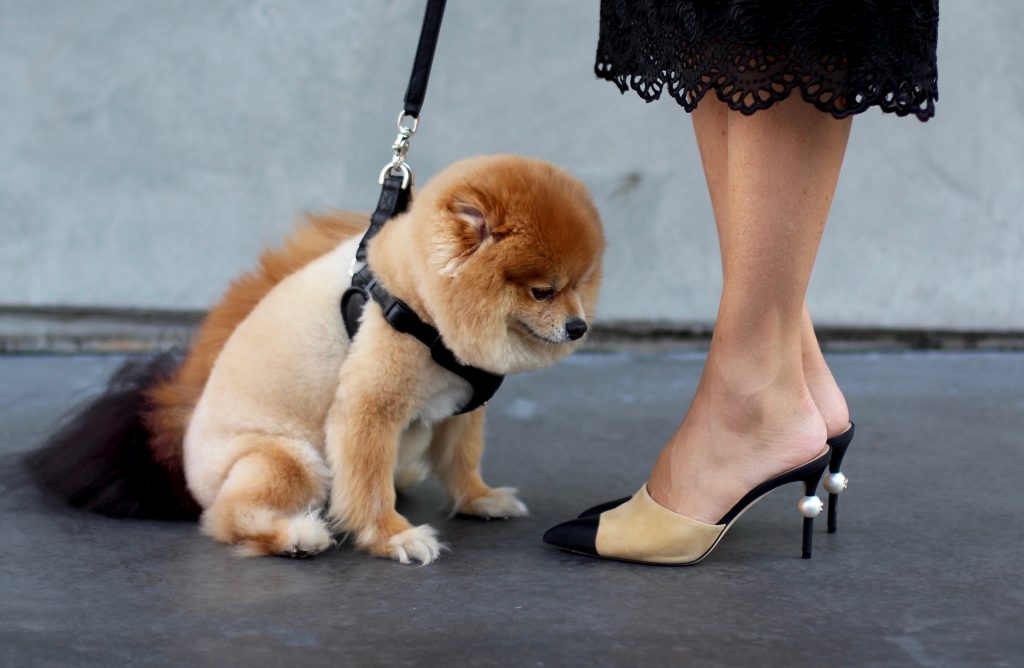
(396, 179)
(399, 315)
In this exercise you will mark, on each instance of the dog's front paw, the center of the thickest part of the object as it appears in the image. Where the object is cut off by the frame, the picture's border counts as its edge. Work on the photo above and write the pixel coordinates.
(415, 544)
(307, 535)
(499, 503)
(299, 536)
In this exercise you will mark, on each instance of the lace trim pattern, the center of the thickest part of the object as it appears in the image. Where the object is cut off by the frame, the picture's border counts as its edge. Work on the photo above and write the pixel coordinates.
(844, 57)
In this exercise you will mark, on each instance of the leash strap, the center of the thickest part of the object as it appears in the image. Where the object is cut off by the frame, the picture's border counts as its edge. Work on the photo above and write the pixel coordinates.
(397, 177)
(424, 58)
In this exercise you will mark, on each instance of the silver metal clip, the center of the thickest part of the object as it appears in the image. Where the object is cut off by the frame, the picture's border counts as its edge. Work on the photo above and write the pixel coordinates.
(407, 126)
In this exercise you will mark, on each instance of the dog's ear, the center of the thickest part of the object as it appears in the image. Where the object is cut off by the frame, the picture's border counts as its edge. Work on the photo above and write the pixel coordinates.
(468, 228)
(472, 215)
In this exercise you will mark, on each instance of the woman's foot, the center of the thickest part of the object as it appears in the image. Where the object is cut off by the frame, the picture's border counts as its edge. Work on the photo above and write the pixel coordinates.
(745, 425)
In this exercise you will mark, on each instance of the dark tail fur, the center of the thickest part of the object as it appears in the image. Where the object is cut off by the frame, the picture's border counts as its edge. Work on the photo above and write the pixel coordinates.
(99, 459)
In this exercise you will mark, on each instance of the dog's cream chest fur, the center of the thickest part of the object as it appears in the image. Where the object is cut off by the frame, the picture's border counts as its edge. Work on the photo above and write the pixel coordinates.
(453, 396)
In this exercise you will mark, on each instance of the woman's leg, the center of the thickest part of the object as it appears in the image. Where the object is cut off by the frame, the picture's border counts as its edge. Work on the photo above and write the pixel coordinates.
(710, 122)
(772, 176)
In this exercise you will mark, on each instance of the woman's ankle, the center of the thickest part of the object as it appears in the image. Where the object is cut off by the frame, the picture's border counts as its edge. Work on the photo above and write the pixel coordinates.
(827, 396)
(767, 400)
(730, 442)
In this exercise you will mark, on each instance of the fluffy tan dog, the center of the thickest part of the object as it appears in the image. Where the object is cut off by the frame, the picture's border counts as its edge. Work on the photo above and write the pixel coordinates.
(274, 411)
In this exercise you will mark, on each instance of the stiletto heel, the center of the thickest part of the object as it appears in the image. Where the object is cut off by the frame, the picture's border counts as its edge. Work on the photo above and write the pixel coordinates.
(810, 507)
(836, 482)
(640, 530)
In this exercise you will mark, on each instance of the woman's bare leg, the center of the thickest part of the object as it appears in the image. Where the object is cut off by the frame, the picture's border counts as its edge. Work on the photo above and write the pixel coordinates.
(753, 414)
(710, 122)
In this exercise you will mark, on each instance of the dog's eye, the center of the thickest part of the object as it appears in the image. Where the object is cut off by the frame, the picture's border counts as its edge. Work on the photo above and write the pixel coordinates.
(543, 294)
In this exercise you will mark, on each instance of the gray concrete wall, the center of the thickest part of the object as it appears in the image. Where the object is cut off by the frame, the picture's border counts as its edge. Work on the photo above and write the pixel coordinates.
(149, 148)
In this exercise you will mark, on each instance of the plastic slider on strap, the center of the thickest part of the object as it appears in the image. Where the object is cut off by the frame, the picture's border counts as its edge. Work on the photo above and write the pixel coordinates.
(401, 317)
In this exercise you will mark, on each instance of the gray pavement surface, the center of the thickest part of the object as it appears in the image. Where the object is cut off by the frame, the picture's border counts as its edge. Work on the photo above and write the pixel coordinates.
(925, 570)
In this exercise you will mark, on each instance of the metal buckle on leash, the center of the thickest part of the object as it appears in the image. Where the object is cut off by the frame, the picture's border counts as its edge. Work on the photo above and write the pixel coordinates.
(398, 165)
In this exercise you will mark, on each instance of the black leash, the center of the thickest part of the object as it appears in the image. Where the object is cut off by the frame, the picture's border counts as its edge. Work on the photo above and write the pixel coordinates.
(424, 58)
(396, 180)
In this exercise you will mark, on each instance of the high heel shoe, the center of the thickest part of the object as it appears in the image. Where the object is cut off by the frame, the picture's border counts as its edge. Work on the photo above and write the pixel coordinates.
(640, 530)
(835, 481)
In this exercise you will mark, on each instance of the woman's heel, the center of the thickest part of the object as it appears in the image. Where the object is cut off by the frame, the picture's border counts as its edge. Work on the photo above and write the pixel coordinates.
(810, 507)
(836, 482)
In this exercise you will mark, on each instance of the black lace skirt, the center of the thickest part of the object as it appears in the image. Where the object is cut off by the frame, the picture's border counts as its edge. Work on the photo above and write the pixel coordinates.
(844, 56)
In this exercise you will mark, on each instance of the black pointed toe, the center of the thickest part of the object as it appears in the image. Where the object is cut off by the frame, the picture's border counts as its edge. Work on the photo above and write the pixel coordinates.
(578, 535)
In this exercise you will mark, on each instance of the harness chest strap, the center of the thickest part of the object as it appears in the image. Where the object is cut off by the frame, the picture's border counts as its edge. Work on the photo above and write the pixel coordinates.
(403, 319)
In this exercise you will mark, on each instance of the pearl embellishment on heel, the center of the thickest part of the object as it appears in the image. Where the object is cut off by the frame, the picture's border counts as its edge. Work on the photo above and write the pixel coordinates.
(836, 483)
(810, 506)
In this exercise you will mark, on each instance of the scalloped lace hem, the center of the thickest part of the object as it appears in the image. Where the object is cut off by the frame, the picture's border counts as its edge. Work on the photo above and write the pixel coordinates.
(902, 99)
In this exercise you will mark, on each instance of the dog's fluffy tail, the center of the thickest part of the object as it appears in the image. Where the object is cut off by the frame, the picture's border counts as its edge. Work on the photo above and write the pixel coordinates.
(100, 458)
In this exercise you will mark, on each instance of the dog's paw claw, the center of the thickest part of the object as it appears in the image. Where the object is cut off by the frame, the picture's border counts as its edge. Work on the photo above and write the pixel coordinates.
(415, 544)
(501, 503)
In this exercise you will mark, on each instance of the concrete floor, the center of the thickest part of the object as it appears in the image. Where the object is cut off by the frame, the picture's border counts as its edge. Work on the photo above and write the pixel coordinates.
(925, 570)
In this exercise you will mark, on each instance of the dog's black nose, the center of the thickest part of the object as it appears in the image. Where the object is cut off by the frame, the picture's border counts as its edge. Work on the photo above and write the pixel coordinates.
(575, 328)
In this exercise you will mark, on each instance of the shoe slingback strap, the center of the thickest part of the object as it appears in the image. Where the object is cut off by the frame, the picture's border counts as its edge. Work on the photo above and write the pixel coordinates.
(402, 318)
